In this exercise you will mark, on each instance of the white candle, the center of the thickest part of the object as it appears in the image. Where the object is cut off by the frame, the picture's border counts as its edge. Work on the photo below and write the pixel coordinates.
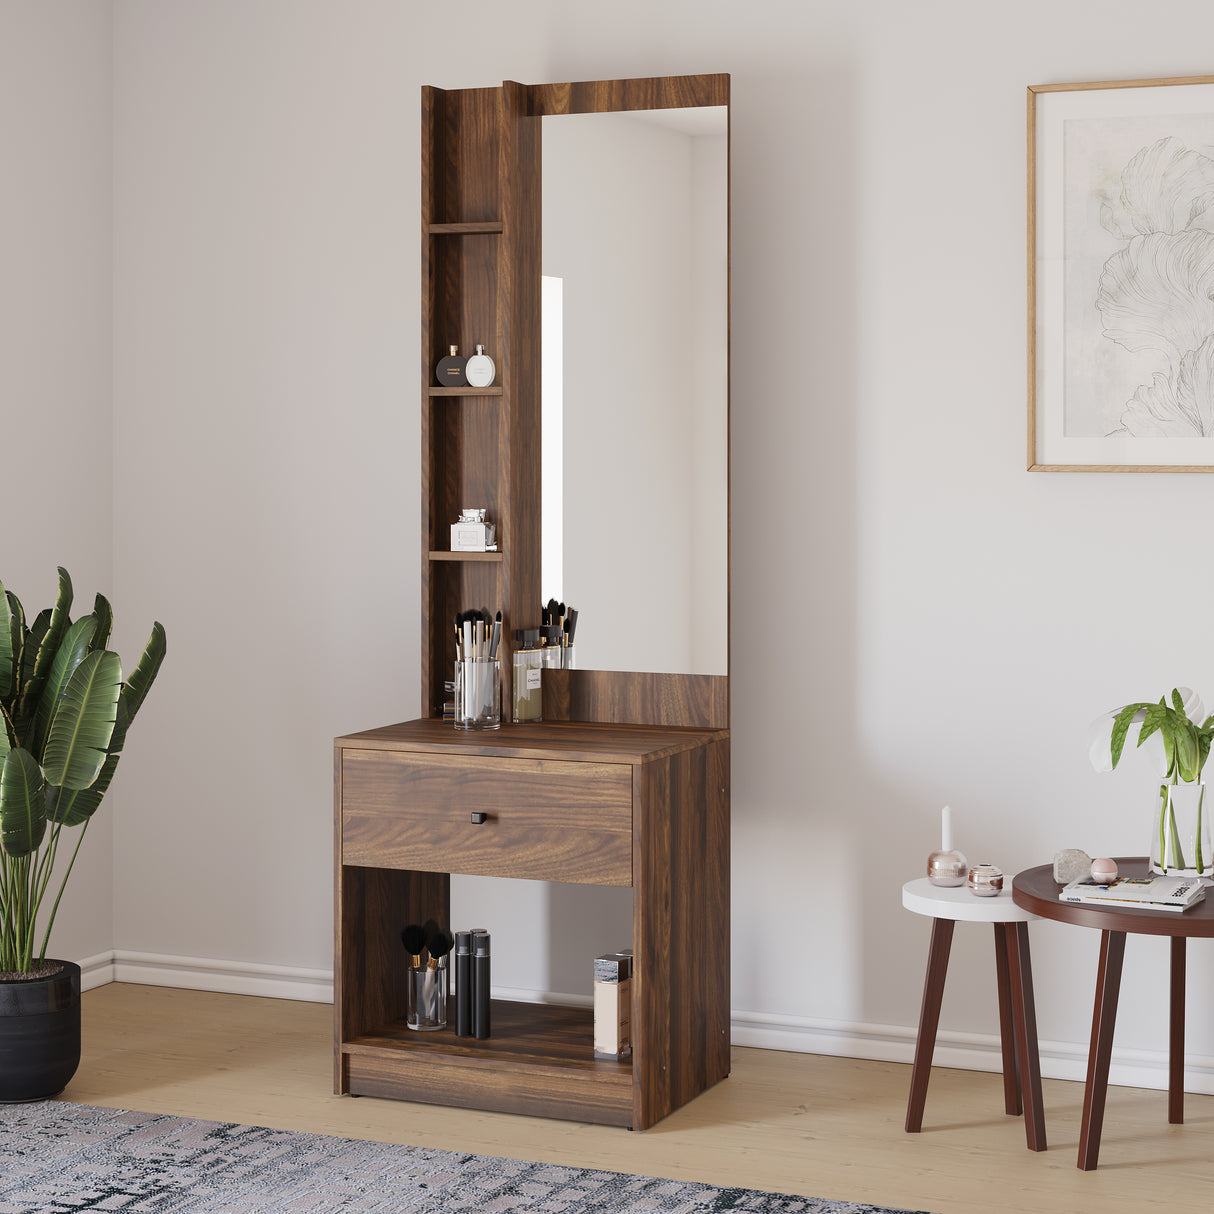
(946, 829)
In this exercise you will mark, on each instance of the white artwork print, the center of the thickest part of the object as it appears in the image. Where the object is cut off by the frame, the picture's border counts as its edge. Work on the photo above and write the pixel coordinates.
(1139, 277)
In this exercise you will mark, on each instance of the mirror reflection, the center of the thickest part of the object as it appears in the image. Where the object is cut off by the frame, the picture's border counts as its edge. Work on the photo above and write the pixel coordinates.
(635, 385)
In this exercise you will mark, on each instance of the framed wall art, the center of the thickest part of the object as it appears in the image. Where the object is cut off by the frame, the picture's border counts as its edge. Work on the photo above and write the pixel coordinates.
(1121, 276)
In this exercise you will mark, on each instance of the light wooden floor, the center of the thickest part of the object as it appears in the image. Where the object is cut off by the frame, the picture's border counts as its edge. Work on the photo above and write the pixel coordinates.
(797, 1123)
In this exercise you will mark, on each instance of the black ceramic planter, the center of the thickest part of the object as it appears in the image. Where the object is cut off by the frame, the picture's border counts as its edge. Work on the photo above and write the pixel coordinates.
(39, 1034)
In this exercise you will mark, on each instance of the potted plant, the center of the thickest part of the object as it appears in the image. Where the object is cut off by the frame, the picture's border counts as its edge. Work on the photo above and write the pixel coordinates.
(64, 716)
(1180, 835)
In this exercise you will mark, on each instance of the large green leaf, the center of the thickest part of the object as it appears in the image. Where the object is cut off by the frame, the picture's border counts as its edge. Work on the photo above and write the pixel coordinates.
(144, 674)
(1187, 753)
(16, 636)
(1121, 726)
(84, 724)
(76, 643)
(56, 627)
(104, 615)
(72, 806)
(136, 689)
(30, 687)
(8, 735)
(22, 803)
(6, 646)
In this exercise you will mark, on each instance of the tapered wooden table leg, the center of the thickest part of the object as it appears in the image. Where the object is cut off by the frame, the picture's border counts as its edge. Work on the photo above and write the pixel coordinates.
(1176, 1036)
(929, 1020)
(1024, 1016)
(1007, 1033)
(1104, 1019)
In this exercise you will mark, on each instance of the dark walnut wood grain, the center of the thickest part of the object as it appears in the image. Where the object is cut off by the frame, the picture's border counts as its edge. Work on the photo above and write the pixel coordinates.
(1036, 890)
(648, 93)
(539, 1060)
(545, 819)
(660, 793)
(693, 700)
(644, 800)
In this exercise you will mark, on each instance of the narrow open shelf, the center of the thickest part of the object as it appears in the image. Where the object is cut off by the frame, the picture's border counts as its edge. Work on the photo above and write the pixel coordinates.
(437, 555)
(536, 1033)
(539, 1060)
(484, 227)
(465, 391)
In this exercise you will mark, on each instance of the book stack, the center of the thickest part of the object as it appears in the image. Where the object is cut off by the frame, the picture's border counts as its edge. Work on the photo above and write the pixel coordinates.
(1143, 893)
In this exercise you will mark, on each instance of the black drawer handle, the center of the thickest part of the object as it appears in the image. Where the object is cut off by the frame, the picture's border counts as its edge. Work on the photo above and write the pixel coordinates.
(478, 818)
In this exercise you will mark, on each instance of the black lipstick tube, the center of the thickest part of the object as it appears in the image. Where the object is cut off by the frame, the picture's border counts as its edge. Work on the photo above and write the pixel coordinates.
(480, 985)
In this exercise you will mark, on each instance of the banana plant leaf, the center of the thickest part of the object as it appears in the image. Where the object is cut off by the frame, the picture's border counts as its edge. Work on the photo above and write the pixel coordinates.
(81, 730)
(76, 643)
(103, 613)
(22, 803)
(16, 637)
(136, 689)
(73, 806)
(29, 686)
(6, 645)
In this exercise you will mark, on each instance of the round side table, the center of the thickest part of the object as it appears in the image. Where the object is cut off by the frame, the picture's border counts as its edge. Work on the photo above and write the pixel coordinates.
(1035, 890)
(946, 906)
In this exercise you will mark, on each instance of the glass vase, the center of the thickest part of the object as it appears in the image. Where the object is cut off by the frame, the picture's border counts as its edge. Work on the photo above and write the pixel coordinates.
(1180, 838)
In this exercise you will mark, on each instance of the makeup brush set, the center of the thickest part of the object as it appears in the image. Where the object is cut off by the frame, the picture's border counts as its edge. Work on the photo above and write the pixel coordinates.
(557, 626)
(428, 947)
(477, 674)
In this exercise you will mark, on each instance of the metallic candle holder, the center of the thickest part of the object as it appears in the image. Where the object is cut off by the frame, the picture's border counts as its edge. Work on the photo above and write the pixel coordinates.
(946, 866)
(986, 881)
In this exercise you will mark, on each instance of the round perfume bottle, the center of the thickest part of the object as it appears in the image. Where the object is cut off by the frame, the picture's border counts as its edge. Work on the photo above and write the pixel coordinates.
(450, 371)
(480, 369)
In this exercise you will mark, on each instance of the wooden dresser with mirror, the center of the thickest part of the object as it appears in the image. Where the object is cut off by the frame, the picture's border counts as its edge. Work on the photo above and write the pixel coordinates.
(626, 780)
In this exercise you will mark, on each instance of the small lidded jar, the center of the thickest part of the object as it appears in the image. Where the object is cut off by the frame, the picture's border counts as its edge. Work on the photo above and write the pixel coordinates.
(985, 880)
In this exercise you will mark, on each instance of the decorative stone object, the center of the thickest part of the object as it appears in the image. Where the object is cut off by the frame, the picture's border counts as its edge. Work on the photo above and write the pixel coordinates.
(1071, 864)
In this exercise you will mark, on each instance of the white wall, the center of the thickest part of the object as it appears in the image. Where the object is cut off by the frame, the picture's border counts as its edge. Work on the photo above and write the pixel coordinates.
(55, 366)
(962, 620)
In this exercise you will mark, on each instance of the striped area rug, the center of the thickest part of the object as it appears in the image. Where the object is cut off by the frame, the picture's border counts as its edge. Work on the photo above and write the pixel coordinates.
(59, 1158)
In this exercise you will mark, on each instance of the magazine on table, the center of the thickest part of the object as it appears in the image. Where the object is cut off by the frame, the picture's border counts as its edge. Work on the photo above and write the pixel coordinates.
(1146, 893)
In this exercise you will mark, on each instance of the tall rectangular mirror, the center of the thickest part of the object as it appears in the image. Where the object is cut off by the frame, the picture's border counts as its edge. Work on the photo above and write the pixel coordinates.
(635, 386)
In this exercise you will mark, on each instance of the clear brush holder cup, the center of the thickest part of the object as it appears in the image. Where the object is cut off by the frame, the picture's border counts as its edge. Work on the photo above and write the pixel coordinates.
(478, 693)
(427, 997)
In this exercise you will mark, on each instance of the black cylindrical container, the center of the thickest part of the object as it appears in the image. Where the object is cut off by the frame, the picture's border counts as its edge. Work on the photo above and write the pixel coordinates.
(39, 1034)
(480, 985)
(463, 984)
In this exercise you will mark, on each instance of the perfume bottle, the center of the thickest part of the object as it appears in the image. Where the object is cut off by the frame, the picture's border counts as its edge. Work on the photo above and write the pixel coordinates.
(480, 369)
(528, 662)
(450, 370)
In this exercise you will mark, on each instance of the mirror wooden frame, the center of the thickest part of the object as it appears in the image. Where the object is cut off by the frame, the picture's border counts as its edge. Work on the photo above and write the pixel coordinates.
(481, 241)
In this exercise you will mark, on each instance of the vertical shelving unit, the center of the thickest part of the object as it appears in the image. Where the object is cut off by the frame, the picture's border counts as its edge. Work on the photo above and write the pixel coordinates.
(480, 446)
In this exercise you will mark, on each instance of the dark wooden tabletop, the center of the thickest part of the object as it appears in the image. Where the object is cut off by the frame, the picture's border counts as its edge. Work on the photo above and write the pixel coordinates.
(1036, 890)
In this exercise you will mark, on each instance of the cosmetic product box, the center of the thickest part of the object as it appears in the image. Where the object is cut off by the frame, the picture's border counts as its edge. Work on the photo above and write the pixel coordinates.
(473, 537)
(613, 1005)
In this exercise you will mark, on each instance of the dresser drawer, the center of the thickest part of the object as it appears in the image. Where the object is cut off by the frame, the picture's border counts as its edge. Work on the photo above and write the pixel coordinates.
(546, 819)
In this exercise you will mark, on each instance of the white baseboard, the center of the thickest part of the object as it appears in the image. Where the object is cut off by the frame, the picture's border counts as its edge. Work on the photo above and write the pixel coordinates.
(761, 1030)
(961, 1051)
(208, 974)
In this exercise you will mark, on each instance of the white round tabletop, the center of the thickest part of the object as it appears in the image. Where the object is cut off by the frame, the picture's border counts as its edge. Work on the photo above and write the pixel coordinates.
(956, 902)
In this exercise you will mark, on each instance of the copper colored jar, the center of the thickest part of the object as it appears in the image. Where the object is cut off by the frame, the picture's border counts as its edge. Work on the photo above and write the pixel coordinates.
(985, 880)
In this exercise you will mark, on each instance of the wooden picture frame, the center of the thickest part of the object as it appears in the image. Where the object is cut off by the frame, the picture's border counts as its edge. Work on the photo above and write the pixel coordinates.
(1121, 276)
